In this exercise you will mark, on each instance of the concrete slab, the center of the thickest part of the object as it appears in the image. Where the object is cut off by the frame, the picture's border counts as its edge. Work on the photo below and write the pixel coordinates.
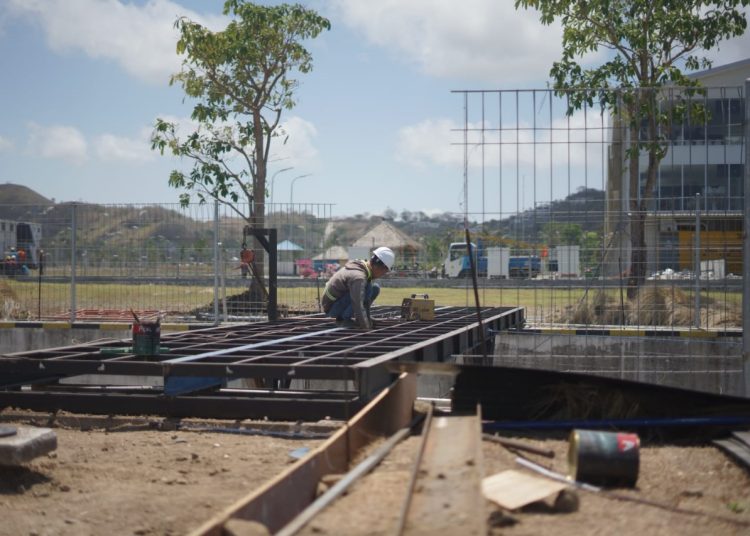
(26, 444)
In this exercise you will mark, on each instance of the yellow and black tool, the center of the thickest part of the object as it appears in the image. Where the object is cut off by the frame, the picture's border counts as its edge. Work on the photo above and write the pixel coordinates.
(418, 307)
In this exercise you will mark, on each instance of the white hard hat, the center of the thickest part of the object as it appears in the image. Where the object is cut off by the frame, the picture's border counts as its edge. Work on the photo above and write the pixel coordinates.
(386, 256)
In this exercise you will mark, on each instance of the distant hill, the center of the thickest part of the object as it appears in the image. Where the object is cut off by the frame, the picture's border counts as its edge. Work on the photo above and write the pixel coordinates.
(134, 231)
(18, 202)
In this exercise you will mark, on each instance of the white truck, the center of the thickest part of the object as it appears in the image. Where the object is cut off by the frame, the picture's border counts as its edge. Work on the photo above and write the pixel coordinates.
(20, 235)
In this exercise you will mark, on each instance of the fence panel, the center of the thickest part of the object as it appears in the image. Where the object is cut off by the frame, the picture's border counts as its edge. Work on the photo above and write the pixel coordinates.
(99, 262)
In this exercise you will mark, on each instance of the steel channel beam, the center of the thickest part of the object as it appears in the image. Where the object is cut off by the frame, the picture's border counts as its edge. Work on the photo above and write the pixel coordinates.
(298, 349)
(371, 373)
(209, 407)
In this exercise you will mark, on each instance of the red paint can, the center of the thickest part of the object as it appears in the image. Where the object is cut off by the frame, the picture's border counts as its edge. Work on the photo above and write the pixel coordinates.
(604, 458)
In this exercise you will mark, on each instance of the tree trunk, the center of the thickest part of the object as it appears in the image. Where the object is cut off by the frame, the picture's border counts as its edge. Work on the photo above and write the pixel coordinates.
(636, 222)
(258, 298)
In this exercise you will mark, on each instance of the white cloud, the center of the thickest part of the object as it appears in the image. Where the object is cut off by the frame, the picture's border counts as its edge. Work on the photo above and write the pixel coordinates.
(440, 142)
(110, 147)
(57, 141)
(485, 40)
(5, 144)
(299, 149)
(428, 143)
(141, 39)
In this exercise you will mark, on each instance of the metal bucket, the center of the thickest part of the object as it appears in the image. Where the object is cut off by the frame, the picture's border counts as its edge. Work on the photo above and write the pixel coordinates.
(604, 458)
(146, 338)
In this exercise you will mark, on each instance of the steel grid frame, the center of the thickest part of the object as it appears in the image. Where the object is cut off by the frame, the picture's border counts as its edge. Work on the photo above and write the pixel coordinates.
(199, 363)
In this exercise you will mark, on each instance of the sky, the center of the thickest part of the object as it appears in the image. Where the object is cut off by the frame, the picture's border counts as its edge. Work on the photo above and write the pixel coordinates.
(374, 128)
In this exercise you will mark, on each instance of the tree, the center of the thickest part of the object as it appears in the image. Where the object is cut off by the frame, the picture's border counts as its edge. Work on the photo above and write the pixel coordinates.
(561, 234)
(241, 79)
(651, 42)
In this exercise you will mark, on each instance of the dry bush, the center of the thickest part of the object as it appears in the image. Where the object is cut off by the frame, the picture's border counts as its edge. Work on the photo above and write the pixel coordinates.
(653, 306)
(649, 308)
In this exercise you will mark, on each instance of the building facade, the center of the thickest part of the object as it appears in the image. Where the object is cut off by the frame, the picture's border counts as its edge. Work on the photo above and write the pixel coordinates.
(699, 182)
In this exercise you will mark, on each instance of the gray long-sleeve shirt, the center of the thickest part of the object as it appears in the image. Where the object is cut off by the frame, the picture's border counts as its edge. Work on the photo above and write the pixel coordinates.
(351, 279)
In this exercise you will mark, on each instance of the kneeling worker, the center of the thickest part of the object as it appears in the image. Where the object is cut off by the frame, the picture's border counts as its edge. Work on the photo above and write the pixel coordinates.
(350, 292)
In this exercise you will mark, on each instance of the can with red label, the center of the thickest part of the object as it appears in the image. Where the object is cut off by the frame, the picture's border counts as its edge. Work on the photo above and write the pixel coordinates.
(604, 458)
(146, 338)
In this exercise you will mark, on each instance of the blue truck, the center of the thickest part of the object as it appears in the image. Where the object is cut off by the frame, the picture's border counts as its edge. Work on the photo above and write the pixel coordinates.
(458, 264)
(524, 266)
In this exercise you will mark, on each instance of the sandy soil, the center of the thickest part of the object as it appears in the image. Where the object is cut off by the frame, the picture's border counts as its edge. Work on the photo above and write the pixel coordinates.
(701, 480)
(126, 480)
(131, 479)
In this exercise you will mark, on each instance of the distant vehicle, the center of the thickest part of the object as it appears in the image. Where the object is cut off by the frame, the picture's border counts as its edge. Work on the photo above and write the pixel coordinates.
(17, 237)
(458, 263)
(524, 266)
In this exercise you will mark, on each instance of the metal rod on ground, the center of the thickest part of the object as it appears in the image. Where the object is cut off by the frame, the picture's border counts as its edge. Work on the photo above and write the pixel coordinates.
(342, 485)
(622, 497)
(511, 444)
(746, 251)
(414, 473)
(473, 265)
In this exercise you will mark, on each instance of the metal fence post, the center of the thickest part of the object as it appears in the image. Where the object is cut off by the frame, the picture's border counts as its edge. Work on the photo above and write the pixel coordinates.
(746, 249)
(73, 232)
(216, 263)
(697, 261)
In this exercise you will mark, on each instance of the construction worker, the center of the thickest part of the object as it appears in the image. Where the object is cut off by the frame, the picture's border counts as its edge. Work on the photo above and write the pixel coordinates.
(350, 292)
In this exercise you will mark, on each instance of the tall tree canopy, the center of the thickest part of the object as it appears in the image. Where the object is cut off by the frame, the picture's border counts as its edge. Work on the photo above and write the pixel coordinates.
(651, 44)
(241, 79)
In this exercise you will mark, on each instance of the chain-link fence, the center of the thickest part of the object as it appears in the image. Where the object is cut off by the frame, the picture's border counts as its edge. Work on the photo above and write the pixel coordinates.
(601, 222)
(557, 205)
(75, 261)
(565, 212)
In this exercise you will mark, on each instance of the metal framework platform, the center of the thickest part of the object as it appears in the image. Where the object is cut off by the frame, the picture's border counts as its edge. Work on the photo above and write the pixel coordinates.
(302, 368)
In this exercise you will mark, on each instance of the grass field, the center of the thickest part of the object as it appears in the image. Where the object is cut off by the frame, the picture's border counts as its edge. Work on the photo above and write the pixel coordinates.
(26, 300)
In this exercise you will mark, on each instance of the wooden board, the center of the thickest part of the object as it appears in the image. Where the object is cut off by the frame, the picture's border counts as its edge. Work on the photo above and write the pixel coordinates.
(447, 498)
(283, 498)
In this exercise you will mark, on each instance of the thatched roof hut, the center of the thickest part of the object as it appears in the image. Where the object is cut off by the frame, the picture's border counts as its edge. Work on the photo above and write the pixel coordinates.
(386, 234)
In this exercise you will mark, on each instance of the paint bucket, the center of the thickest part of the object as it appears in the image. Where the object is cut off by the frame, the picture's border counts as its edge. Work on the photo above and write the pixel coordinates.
(146, 338)
(604, 458)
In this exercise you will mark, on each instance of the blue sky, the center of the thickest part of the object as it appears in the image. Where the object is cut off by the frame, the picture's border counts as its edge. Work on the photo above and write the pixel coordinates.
(84, 81)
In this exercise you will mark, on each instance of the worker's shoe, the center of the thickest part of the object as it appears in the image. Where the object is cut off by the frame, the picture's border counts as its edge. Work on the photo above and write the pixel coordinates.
(346, 323)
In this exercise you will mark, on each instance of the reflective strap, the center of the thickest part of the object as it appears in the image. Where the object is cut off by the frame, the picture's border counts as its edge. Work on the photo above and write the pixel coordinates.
(328, 293)
(369, 272)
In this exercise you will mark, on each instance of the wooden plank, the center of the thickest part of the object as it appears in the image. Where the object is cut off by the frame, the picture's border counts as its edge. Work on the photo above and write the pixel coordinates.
(281, 499)
(447, 498)
(742, 437)
(735, 448)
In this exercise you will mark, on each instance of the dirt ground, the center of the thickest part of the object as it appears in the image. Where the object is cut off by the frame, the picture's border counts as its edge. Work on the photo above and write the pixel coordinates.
(699, 480)
(134, 479)
(131, 479)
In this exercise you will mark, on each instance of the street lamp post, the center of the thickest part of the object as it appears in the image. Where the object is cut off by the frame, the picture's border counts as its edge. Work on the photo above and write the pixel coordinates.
(291, 190)
(273, 178)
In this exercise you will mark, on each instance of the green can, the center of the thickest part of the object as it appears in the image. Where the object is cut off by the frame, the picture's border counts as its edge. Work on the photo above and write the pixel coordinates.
(146, 338)
(604, 458)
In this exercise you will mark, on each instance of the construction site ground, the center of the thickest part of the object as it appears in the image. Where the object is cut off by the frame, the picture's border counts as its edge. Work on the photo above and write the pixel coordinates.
(127, 478)
(121, 478)
(698, 479)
